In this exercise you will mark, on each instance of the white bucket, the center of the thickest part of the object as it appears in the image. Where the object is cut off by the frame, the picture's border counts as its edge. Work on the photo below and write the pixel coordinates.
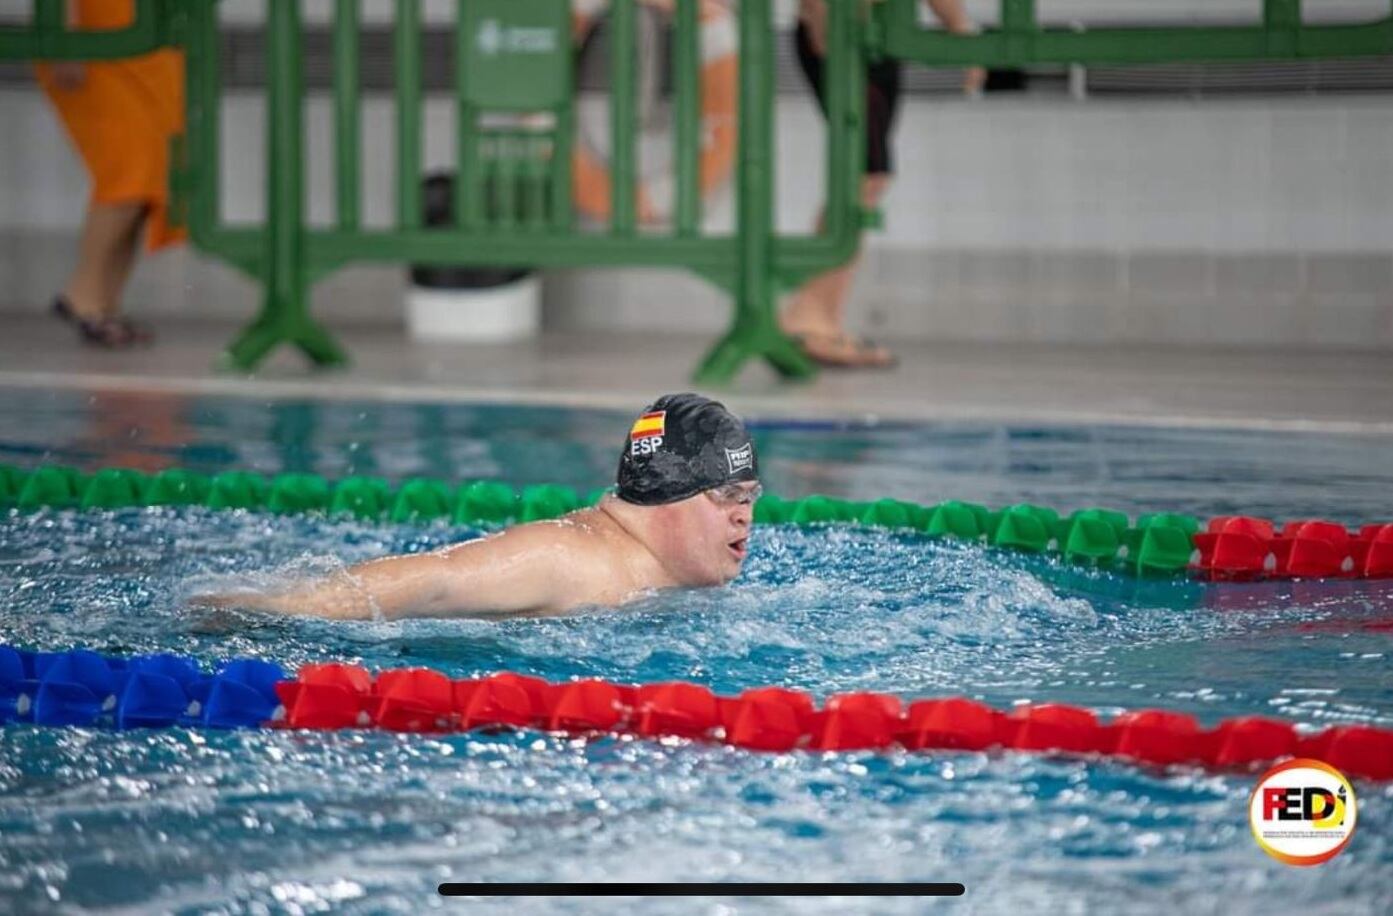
(493, 314)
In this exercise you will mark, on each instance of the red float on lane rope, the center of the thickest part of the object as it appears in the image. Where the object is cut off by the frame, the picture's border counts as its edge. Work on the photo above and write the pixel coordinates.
(1156, 736)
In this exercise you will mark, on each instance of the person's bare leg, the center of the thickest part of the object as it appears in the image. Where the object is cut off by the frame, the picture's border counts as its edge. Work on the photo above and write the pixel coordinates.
(974, 81)
(818, 309)
(122, 261)
(806, 310)
(953, 15)
(110, 234)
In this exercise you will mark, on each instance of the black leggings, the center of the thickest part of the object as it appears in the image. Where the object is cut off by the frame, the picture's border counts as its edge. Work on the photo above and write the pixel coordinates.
(882, 98)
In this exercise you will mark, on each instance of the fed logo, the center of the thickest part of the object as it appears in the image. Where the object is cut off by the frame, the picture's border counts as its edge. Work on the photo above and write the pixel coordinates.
(1302, 812)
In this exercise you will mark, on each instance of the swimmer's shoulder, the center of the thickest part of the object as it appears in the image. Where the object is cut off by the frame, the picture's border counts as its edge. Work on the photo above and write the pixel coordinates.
(591, 537)
(583, 531)
(586, 556)
(582, 541)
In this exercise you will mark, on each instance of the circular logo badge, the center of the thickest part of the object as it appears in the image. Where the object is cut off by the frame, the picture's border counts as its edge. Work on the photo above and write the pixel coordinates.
(1302, 812)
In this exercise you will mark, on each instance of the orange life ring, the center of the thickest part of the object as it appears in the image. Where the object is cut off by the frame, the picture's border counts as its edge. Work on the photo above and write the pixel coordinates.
(590, 178)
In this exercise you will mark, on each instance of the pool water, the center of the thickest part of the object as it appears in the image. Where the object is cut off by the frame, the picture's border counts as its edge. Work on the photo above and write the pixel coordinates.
(257, 821)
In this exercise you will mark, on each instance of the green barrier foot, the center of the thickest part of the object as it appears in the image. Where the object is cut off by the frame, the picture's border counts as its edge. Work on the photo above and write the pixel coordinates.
(320, 347)
(250, 347)
(253, 344)
(723, 362)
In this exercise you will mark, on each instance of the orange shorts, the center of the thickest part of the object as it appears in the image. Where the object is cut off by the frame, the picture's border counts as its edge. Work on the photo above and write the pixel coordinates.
(121, 119)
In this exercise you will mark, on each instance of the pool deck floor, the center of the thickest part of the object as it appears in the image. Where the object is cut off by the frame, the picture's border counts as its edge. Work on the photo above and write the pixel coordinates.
(1335, 392)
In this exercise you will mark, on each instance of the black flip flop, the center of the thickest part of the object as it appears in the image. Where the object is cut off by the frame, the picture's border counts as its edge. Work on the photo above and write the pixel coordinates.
(114, 333)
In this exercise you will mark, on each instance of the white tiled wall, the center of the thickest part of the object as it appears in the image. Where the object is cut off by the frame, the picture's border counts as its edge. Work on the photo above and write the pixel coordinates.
(1216, 176)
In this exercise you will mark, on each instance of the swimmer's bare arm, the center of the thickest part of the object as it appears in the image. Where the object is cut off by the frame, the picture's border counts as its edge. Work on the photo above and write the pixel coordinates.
(522, 570)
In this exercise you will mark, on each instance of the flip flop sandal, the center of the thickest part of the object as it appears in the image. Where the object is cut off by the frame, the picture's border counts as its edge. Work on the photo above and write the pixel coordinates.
(114, 333)
(864, 354)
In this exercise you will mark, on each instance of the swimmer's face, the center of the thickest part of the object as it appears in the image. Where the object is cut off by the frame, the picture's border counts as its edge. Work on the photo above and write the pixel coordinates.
(705, 539)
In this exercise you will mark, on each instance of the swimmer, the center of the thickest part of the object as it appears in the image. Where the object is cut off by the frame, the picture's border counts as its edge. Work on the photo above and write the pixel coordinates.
(679, 517)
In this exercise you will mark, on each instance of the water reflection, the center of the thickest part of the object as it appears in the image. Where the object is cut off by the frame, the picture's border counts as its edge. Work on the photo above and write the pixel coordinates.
(1202, 472)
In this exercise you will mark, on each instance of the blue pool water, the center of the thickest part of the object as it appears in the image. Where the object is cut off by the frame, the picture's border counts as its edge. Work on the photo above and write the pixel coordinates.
(192, 820)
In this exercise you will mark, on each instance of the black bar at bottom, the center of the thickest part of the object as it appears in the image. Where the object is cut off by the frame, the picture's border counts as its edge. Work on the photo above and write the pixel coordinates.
(706, 889)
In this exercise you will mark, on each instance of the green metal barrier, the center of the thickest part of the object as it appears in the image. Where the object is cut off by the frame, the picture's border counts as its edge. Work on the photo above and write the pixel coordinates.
(47, 36)
(513, 195)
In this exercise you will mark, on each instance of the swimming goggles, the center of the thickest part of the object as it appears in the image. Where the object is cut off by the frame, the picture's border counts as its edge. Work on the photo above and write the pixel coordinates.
(734, 494)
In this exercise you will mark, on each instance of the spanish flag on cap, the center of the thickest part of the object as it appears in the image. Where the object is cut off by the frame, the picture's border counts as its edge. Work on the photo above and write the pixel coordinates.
(650, 424)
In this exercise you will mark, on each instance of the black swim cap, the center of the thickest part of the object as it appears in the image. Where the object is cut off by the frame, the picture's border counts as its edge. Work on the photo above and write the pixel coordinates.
(681, 445)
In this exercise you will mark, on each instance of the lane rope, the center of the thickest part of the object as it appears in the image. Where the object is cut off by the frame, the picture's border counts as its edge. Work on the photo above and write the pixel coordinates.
(83, 688)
